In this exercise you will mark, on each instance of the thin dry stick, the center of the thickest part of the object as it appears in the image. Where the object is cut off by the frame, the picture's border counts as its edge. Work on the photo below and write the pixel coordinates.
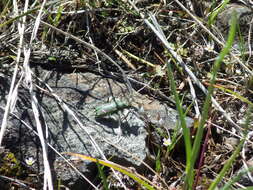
(124, 58)
(48, 182)
(90, 39)
(250, 40)
(12, 92)
(16, 182)
(244, 159)
(194, 98)
(231, 133)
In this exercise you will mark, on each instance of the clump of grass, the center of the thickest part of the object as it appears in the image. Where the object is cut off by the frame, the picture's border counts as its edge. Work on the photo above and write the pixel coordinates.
(192, 151)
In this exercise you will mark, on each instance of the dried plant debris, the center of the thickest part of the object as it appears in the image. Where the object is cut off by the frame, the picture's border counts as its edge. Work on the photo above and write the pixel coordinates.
(104, 64)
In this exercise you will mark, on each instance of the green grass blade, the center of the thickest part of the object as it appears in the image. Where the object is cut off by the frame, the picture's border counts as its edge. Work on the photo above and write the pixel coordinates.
(102, 176)
(227, 166)
(186, 131)
(58, 16)
(6, 4)
(236, 178)
(137, 177)
(199, 134)
(235, 94)
(215, 13)
(234, 155)
(24, 14)
(158, 165)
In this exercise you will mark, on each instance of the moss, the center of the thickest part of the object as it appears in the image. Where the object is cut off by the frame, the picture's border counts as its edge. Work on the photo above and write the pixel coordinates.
(9, 165)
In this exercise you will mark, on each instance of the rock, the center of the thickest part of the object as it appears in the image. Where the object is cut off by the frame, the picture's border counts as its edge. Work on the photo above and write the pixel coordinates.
(82, 93)
(244, 16)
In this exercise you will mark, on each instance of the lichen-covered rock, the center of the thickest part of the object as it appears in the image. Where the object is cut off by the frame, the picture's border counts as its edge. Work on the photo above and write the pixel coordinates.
(118, 135)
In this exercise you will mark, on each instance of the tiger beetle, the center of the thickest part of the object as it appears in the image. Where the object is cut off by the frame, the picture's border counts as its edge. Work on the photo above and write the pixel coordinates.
(110, 108)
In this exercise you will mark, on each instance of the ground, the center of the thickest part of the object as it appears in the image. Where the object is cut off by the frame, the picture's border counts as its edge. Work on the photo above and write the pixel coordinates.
(113, 40)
